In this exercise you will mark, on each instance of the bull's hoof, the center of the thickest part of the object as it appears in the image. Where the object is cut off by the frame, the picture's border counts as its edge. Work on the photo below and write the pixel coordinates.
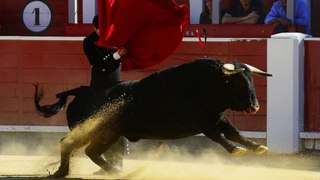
(261, 150)
(100, 172)
(59, 174)
(115, 171)
(238, 151)
(108, 171)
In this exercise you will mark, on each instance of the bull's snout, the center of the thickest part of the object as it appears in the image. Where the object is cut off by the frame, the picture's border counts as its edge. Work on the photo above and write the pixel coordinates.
(254, 108)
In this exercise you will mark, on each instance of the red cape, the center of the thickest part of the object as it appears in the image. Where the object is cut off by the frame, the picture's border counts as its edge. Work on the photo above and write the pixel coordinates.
(151, 30)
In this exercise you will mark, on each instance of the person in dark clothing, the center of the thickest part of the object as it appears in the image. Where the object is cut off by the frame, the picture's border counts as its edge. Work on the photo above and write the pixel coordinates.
(105, 62)
(244, 12)
(206, 14)
(105, 72)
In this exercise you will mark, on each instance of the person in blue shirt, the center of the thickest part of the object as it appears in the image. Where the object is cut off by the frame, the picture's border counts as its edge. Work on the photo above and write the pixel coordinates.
(278, 15)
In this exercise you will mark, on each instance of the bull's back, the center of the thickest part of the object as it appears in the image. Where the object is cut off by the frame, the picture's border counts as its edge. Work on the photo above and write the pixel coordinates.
(159, 106)
(167, 104)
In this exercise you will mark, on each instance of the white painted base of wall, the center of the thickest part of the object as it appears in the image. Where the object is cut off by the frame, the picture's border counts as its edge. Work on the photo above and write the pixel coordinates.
(11, 128)
(311, 140)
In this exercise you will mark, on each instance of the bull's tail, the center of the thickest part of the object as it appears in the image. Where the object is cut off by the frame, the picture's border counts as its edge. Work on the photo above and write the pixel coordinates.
(48, 110)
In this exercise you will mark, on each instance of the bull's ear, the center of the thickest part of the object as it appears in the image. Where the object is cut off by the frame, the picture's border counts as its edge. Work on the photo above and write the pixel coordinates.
(256, 71)
(230, 69)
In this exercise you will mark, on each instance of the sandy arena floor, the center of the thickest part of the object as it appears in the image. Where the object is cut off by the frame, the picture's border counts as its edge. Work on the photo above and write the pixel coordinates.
(178, 165)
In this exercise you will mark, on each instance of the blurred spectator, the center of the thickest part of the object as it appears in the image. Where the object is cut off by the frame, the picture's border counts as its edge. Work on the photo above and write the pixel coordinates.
(206, 14)
(278, 15)
(244, 12)
(224, 6)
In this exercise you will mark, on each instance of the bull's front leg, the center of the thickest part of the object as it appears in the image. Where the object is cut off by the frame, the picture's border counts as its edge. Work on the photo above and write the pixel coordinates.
(216, 136)
(231, 133)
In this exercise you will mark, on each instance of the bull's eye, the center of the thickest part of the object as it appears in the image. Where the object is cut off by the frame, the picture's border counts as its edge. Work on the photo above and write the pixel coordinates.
(240, 87)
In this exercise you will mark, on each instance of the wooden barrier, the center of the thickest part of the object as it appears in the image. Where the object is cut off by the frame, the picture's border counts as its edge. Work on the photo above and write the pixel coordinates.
(312, 85)
(77, 29)
(59, 64)
(212, 30)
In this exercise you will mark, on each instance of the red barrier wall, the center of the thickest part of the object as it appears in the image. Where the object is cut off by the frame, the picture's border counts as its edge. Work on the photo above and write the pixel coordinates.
(57, 65)
(312, 85)
(60, 64)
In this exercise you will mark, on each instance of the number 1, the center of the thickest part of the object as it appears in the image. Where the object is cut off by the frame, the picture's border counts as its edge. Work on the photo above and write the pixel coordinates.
(36, 11)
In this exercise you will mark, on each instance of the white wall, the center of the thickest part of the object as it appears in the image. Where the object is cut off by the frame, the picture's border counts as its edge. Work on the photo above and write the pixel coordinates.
(89, 10)
(285, 93)
(195, 11)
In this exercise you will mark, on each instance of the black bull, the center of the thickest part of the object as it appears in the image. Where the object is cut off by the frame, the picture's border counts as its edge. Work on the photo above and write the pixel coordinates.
(180, 101)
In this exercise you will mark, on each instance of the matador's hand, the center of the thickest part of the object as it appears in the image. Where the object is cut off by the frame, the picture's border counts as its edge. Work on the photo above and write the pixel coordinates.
(122, 51)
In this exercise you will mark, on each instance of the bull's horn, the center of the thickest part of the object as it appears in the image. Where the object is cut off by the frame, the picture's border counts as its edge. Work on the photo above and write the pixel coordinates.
(256, 71)
(229, 69)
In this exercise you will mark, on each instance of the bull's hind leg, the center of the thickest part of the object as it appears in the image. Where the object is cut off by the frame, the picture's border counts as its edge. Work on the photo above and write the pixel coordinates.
(231, 133)
(67, 145)
(97, 147)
